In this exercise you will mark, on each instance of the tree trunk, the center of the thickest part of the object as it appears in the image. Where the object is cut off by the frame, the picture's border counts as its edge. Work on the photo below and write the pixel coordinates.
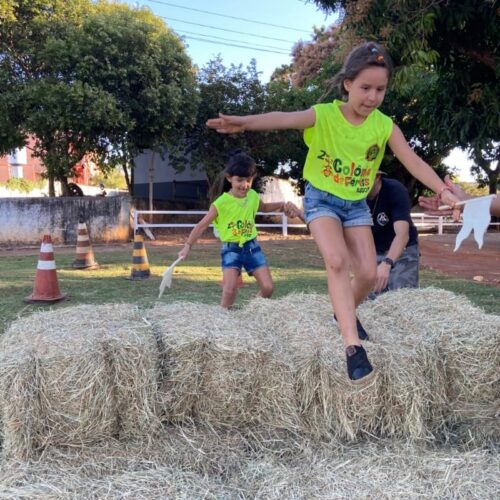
(127, 178)
(52, 189)
(64, 186)
(493, 182)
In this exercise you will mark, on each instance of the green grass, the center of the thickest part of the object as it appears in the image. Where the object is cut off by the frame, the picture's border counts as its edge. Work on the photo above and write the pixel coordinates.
(295, 265)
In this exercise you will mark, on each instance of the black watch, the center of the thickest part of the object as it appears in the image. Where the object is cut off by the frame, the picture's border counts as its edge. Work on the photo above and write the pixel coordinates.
(389, 261)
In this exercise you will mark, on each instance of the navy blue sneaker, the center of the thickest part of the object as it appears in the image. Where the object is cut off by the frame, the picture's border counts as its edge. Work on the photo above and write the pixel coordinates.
(359, 367)
(361, 331)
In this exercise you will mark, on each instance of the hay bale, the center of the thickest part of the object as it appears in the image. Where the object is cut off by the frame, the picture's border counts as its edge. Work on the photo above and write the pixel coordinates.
(473, 374)
(19, 404)
(77, 376)
(219, 363)
(299, 330)
(399, 403)
(215, 372)
(189, 462)
(465, 345)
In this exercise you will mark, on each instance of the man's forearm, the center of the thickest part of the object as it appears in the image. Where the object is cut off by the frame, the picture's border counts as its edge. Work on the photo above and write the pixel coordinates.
(397, 246)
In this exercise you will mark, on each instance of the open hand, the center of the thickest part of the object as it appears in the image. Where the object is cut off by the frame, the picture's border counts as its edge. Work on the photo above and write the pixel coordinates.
(431, 204)
(227, 124)
(383, 272)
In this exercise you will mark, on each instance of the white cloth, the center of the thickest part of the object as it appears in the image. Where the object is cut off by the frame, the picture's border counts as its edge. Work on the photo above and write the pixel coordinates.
(476, 217)
(167, 276)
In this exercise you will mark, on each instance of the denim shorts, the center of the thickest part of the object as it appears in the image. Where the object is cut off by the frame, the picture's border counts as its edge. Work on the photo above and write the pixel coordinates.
(319, 203)
(250, 256)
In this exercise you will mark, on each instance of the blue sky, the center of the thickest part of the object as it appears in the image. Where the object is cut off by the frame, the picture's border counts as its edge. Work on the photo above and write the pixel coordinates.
(207, 34)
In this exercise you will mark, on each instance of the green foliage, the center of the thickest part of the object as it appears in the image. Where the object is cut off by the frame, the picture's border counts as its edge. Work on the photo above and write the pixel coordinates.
(473, 189)
(223, 90)
(453, 51)
(23, 185)
(87, 77)
(113, 179)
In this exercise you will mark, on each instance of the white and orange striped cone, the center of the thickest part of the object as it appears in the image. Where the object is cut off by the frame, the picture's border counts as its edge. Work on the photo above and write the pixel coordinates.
(84, 254)
(46, 287)
(140, 265)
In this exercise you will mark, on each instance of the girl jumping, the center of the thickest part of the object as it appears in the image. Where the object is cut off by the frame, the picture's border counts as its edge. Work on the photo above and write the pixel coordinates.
(346, 141)
(233, 208)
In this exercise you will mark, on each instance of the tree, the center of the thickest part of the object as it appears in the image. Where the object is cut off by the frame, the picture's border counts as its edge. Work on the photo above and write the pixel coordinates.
(144, 66)
(453, 52)
(33, 96)
(228, 90)
(236, 91)
(312, 60)
(111, 83)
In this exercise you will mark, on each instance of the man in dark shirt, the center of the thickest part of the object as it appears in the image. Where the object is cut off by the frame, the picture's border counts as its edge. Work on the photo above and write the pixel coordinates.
(395, 236)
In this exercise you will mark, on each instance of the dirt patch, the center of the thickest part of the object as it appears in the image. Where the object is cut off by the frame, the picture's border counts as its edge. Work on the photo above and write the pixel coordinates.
(467, 262)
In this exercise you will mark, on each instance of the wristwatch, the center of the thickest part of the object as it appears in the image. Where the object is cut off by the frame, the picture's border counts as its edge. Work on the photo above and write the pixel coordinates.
(389, 261)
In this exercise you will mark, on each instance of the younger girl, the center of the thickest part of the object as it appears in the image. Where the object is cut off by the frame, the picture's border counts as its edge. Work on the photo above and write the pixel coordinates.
(233, 209)
(346, 141)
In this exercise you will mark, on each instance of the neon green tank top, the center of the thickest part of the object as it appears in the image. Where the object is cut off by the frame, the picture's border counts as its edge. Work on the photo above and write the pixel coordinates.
(343, 159)
(235, 221)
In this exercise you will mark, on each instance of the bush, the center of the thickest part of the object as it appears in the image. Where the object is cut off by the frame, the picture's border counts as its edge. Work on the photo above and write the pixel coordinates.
(111, 180)
(23, 185)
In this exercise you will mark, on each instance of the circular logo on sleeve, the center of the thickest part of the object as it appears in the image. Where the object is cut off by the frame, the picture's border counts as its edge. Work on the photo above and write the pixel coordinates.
(382, 219)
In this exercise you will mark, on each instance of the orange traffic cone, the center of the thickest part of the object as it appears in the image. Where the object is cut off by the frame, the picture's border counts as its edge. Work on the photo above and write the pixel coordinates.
(140, 264)
(84, 254)
(46, 288)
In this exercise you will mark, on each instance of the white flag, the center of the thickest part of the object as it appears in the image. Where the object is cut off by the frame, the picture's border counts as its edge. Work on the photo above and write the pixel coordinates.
(167, 276)
(476, 217)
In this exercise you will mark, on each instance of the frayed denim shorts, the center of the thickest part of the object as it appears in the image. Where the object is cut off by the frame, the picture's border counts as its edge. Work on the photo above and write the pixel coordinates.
(319, 203)
(249, 256)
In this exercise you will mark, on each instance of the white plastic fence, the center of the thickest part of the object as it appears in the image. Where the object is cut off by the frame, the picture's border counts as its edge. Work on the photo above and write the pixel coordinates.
(420, 220)
(139, 221)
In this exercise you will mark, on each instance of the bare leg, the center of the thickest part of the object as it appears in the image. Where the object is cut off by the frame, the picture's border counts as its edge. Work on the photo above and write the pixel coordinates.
(329, 237)
(359, 241)
(229, 287)
(264, 280)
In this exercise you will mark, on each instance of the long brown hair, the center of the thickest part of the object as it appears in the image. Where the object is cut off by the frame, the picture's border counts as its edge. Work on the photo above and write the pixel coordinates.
(237, 163)
(361, 57)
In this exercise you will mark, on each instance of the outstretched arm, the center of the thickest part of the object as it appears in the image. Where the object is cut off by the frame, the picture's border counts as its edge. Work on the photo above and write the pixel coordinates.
(278, 206)
(420, 169)
(231, 124)
(198, 231)
(431, 204)
(293, 211)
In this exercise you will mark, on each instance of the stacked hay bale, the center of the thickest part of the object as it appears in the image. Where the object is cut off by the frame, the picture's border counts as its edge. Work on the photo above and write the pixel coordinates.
(216, 372)
(281, 364)
(460, 346)
(91, 374)
(76, 377)
(300, 331)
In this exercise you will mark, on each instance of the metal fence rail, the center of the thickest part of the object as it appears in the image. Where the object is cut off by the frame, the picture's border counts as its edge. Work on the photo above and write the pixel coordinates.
(420, 220)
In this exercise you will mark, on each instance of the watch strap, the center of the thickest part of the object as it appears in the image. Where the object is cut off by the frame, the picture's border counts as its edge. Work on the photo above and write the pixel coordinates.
(389, 261)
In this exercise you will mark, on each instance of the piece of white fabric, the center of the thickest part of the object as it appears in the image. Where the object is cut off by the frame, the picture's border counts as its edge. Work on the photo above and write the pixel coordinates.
(167, 276)
(476, 217)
